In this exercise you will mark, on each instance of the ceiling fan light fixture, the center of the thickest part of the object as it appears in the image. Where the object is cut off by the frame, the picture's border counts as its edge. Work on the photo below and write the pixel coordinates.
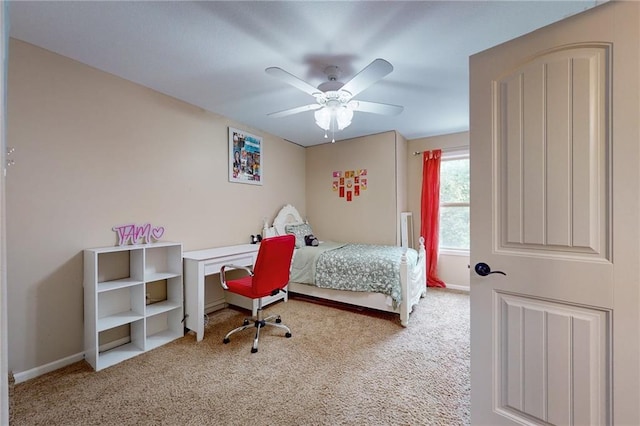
(323, 118)
(334, 117)
(344, 115)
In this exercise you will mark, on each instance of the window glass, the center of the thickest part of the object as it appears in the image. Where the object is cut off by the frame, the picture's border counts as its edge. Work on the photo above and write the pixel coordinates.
(454, 203)
(454, 181)
(454, 227)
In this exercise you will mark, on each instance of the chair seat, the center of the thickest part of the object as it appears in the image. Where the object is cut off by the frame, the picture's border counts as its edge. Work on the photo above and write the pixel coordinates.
(243, 287)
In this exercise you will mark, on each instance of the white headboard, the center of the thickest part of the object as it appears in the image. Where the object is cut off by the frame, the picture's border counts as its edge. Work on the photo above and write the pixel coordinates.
(286, 216)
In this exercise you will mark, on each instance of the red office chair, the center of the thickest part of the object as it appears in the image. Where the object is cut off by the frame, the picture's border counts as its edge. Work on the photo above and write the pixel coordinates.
(269, 276)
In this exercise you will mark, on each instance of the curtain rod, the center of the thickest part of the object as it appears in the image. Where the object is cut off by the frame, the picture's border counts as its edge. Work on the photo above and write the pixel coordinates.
(455, 148)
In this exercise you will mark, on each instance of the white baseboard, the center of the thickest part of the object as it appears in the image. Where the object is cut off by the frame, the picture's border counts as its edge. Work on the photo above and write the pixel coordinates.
(215, 306)
(23, 376)
(458, 287)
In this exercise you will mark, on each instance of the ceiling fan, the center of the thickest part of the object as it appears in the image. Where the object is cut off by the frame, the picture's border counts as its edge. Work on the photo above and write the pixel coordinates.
(334, 104)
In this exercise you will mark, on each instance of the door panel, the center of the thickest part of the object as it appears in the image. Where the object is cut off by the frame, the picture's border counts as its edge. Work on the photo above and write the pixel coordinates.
(555, 179)
(553, 149)
(551, 180)
(552, 365)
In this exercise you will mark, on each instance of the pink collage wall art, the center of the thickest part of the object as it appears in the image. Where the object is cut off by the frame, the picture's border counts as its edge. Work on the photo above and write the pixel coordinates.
(350, 183)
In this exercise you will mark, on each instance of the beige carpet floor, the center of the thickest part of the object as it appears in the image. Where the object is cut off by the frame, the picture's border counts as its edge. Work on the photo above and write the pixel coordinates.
(341, 367)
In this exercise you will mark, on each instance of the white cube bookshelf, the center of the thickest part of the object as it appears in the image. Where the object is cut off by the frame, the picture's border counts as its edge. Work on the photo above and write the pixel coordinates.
(120, 319)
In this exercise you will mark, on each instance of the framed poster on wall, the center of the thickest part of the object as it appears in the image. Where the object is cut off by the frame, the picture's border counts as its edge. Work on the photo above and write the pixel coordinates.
(245, 157)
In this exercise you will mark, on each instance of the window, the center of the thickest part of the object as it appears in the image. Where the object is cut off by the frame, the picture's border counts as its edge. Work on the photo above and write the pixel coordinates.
(454, 201)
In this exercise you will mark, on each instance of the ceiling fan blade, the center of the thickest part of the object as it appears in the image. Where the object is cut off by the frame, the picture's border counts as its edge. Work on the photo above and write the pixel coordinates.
(296, 110)
(376, 107)
(369, 75)
(292, 80)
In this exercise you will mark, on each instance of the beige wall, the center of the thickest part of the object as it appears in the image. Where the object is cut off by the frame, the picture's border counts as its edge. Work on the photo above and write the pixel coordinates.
(452, 268)
(371, 217)
(93, 151)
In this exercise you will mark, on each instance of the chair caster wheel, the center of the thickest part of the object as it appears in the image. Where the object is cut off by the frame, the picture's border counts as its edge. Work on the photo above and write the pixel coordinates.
(278, 320)
(254, 350)
(287, 335)
(225, 341)
(245, 322)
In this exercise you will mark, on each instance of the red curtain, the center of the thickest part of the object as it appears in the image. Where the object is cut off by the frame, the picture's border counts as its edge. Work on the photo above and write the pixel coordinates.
(430, 219)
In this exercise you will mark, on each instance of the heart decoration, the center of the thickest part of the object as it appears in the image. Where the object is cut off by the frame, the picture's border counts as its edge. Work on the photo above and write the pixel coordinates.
(157, 232)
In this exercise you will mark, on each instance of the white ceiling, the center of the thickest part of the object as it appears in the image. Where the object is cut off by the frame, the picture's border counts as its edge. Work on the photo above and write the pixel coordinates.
(213, 54)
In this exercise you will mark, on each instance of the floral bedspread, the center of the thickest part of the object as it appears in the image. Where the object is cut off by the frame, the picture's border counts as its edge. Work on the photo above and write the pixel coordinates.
(354, 267)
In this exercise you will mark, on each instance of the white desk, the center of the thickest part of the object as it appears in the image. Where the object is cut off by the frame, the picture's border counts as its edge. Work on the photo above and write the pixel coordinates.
(200, 263)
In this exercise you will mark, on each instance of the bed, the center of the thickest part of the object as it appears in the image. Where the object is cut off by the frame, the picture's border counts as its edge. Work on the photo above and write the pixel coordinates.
(387, 278)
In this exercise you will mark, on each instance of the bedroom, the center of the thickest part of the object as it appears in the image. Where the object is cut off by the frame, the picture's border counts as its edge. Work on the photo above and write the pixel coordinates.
(131, 150)
(139, 156)
(143, 157)
(154, 160)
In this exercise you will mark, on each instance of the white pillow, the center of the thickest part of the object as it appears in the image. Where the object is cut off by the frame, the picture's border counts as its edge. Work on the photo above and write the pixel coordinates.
(299, 231)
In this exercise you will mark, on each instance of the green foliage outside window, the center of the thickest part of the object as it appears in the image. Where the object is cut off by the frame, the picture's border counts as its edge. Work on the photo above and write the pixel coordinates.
(454, 204)
(454, 228)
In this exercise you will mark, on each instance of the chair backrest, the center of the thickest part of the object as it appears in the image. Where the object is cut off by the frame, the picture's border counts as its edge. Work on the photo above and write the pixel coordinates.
(272, 267)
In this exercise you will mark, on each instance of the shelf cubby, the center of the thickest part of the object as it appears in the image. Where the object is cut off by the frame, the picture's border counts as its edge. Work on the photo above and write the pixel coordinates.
(116, 351)
(163, 327)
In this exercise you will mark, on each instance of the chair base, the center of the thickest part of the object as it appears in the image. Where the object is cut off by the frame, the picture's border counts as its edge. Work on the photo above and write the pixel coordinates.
(258, 323)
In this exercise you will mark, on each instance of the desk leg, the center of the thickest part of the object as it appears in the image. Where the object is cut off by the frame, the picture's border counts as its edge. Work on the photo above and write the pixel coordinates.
(194, 297)
(200, 310)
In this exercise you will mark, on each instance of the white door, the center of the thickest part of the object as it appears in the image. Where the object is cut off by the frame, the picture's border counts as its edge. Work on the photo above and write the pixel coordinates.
(554, 206)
